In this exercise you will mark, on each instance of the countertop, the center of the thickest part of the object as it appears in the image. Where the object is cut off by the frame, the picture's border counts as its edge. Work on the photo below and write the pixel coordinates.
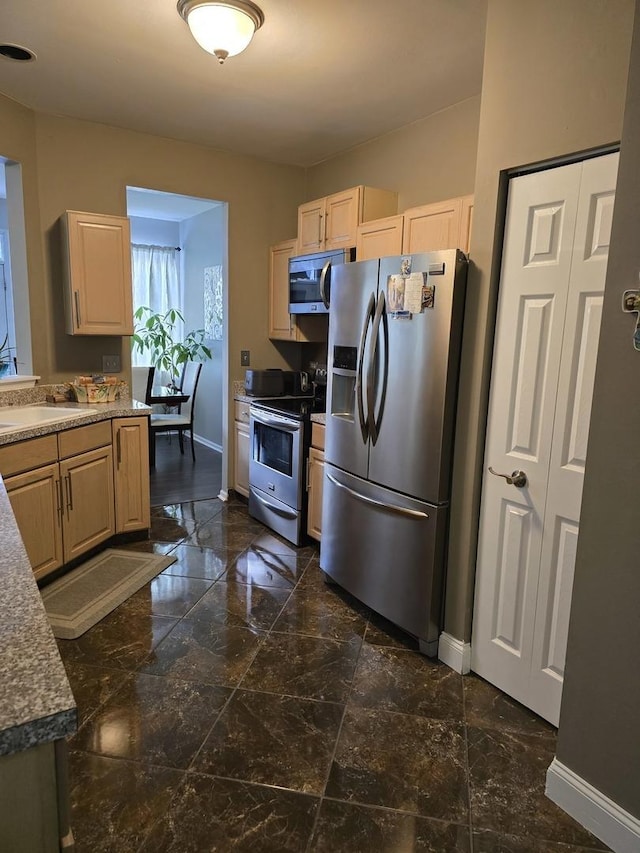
(36, 702)
(103, 411)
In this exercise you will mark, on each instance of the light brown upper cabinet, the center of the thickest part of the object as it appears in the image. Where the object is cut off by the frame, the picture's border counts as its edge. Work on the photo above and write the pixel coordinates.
(97, 259)
(379, 238)
(441, 225)
(466, 221)
(332, 222)
(282, 325)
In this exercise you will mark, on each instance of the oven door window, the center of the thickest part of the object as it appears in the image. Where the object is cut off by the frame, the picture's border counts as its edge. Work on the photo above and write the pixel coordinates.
(273, 448)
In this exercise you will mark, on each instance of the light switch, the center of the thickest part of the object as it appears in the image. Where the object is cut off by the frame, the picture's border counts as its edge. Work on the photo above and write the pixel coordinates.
(111, 364)
(245, 358)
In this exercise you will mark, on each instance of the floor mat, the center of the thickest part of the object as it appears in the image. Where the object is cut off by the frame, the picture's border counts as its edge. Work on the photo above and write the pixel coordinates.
(84, 596)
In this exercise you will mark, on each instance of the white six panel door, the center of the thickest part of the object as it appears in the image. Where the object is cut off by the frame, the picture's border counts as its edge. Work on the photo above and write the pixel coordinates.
(554, 263)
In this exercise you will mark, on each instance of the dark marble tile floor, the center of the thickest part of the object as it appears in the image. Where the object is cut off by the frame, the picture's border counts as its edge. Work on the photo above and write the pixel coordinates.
(239, 703)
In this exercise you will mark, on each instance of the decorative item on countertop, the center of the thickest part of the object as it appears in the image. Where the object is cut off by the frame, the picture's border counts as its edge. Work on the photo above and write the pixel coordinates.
(96, 389)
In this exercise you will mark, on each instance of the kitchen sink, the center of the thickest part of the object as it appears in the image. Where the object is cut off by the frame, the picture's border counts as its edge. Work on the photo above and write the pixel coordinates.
(19, 417)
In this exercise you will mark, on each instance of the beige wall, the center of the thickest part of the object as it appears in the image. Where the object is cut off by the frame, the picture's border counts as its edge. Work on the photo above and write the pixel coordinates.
(554, 83)
(599, 738)
(76, 165)
(87, 166)
(429, 160)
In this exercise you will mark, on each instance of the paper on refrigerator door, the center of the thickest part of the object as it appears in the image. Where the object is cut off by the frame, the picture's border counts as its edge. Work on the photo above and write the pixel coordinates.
(409, 294)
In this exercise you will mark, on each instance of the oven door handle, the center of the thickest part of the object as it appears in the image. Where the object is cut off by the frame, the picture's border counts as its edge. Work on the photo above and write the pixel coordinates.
(275, 423)
(277, 509)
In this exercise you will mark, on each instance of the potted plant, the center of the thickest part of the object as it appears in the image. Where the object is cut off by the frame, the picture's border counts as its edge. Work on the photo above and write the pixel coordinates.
(155, 332)
(7, 357)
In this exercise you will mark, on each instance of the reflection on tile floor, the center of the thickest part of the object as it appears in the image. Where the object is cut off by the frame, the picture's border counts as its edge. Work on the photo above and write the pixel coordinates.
(237, 702)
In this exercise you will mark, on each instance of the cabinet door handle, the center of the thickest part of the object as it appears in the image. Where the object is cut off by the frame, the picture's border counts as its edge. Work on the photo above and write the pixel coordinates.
(67, 482)
(76, 296)
(119, 448)
(308, 473)
(59, 498)
(320, 218)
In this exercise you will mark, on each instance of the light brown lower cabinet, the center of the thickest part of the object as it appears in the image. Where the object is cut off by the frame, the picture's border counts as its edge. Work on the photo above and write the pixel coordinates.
(315, 478)
(241, 442)
(36, 503)
(131, 473)
(91, 491)
(34, 800)
(88, 513)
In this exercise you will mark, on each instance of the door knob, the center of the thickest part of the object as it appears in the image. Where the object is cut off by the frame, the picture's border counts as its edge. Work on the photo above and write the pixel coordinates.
(517, 478)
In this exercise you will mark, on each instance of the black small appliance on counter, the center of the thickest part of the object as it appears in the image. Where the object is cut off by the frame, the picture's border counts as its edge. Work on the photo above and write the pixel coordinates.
(274, 382)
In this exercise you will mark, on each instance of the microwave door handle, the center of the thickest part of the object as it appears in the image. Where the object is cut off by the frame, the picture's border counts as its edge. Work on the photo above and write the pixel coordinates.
(326, 271)
(368, 318)
(380, 318)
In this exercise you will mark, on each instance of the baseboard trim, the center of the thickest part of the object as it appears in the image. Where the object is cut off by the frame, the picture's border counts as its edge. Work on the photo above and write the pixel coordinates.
(212, 445)
(455, 653)
(198, 439)
(223, 495)
(593, 809)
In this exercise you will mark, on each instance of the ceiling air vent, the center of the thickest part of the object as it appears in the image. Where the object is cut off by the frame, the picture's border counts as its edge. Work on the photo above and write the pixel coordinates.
(14, 51)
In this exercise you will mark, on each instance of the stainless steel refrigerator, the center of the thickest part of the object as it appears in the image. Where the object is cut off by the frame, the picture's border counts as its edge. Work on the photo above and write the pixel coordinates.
(395, 329)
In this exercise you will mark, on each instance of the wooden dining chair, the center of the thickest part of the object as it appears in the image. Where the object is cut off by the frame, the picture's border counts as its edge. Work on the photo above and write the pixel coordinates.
(182, 420)
(141, 383)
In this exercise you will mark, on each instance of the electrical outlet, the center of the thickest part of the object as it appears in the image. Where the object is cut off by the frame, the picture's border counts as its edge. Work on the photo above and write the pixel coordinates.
(111, 364)
(245, 358)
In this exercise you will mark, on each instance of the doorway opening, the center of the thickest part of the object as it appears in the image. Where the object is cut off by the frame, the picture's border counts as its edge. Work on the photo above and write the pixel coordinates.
(179, 260)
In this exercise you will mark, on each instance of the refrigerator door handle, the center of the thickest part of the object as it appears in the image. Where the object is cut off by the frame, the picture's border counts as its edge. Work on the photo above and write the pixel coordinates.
(380, 317)
(400, 510)
(368, 318)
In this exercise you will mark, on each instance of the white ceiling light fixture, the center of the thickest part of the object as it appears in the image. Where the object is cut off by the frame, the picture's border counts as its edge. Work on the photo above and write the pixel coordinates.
(221, 28)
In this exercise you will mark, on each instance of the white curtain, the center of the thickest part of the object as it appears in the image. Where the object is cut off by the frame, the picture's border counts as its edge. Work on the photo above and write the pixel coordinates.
(156, 284)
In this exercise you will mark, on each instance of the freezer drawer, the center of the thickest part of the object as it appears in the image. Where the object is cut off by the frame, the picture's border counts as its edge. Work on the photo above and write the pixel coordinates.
(387, 550)
(279, 516)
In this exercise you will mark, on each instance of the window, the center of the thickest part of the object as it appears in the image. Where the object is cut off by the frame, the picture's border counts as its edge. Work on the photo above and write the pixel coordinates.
(156, 284)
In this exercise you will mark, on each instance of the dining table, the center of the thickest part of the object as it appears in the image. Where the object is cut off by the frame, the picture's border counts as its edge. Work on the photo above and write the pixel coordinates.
(166, 395)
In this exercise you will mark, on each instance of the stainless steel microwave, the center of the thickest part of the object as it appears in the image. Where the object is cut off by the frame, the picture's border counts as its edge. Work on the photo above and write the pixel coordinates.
(310, 280)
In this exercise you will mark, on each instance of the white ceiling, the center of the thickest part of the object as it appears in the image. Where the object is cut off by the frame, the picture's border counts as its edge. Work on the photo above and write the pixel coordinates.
(152, 204)
(319, 77)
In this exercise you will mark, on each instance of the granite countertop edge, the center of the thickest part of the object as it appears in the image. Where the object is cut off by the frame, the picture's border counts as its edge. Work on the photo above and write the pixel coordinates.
(36, 702)
(103, 411)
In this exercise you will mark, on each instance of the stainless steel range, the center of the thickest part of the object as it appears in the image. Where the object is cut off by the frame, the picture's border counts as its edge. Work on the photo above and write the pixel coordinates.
(279, 433)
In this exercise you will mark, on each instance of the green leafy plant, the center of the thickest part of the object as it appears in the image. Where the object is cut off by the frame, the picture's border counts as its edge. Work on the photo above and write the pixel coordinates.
(155, 333)
(7, 354)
